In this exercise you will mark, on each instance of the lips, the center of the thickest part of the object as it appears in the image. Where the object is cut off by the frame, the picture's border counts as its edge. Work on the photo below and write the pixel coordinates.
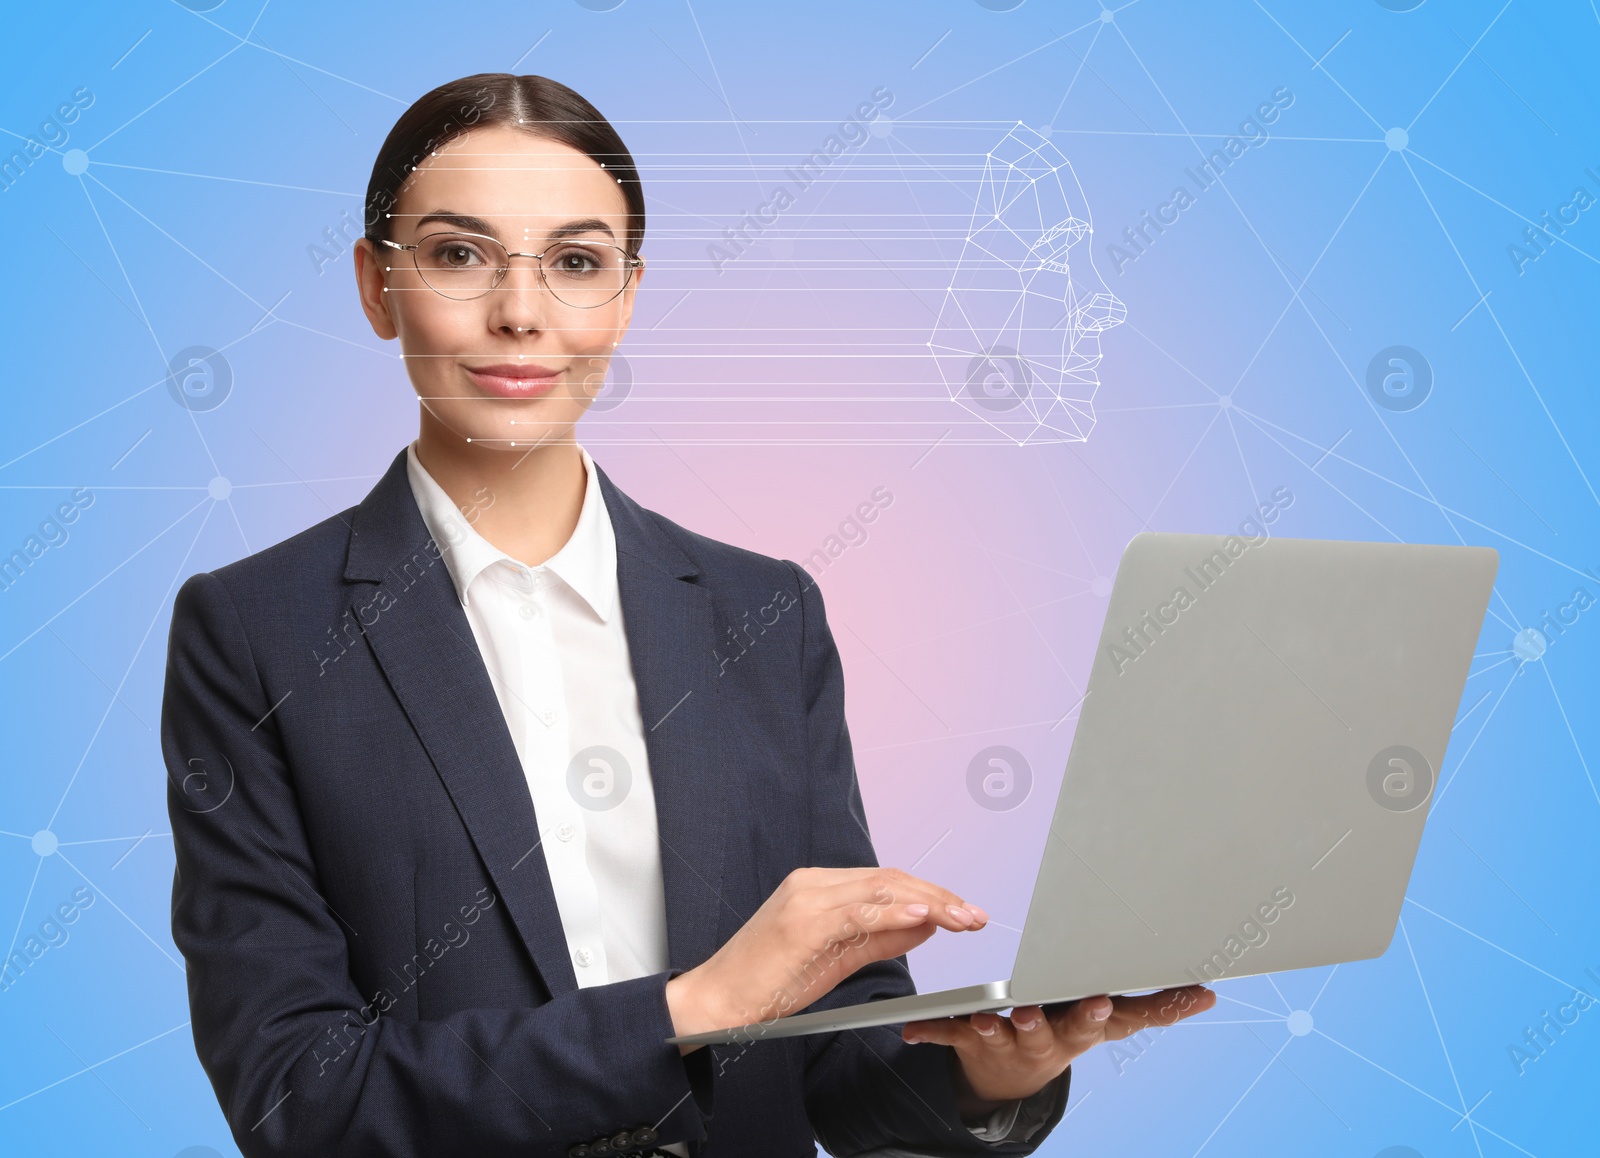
(508, 380)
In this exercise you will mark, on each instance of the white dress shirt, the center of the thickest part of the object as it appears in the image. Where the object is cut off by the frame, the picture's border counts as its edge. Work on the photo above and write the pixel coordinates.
(552, 638)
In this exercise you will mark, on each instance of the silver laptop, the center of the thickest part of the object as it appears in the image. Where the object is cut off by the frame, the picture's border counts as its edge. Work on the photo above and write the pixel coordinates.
(1263, 730)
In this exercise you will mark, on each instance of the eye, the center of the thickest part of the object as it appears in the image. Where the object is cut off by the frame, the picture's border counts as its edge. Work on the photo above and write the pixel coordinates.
(576, 259)
(454, 253)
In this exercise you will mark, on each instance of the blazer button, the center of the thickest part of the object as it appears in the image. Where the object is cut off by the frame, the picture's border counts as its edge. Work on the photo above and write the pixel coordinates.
(600, 1148)
(581, 1150)
(621, 1141)
(645, 1135)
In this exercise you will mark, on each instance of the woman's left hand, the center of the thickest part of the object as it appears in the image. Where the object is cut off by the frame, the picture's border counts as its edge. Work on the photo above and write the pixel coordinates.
(1002, 1059)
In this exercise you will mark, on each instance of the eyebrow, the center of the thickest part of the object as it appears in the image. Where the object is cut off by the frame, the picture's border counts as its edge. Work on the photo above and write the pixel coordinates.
(479, 225)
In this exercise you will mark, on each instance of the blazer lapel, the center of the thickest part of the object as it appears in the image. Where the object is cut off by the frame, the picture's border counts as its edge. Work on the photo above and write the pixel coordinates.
(671, 629)
(420, 636)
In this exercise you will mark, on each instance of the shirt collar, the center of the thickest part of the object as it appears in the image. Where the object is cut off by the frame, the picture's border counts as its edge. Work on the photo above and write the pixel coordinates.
(587, 562)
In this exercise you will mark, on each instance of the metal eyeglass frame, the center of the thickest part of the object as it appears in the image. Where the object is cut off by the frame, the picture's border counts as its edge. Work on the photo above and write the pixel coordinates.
(629, 264)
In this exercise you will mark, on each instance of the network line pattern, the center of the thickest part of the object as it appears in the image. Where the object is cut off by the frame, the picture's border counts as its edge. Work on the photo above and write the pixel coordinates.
(1342, 264)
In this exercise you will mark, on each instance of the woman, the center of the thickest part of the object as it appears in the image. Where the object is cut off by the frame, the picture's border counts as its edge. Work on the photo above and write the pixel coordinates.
(475, 805)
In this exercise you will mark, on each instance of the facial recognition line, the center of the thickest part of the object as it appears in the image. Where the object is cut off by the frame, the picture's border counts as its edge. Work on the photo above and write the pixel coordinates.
(1505, 882)
(721, 97)
(1187, 460)
(231, 180)
(1587, 256)
(935, 44)
(23, 915)
(1270, 1013)
(96, 1065)
(1083, 62)
(529, 53)
(1491, 667)
(1504, 336)
(1076, 73)
(1244, 463)
(1329, 483)
(113, 571)
(1451, 1065)
(159, 99)
(1000, 67)
(194, 421)
(143, 314)
(1419, 1090)
(1505, 82)
(684, 463)
(721, 88)
(896, 675)
(1288, 305)
(1312, 1007)
(1301, 1080)
(1072, 522)
(304, 64)
(116, 695)
(1445, 787)
(253, 35)
(143, 639)
(1492, 945)
(94, 273)
(1319, 67)
(1242, 1097)
(176, 963)
(1417, 495)
(1012, 591)
(1571, 735)
(1471, 51)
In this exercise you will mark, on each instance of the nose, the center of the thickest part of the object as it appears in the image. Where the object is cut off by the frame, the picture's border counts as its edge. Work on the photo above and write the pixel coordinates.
(520, 303)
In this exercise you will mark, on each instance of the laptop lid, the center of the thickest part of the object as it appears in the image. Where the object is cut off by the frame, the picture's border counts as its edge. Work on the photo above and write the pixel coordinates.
(1253, 762)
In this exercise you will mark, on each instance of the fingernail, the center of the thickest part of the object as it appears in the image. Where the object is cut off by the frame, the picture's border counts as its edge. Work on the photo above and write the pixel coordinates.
(979, 913)
(959, 913)
(913, 1038)
(917, 910)
(985, 1028)
(1100, 1013)
(1025, 1023)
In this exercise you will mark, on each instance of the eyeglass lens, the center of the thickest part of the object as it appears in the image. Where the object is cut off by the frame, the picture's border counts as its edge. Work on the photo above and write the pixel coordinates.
(578, 273)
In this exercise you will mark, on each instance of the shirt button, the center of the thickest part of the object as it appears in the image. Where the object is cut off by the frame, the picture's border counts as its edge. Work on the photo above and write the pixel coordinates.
(528, 611)
(583, 957)
(566, 831)
(548, 716)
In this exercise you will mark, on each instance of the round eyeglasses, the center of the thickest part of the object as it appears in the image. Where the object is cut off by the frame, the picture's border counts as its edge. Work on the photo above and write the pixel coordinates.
(463, 266)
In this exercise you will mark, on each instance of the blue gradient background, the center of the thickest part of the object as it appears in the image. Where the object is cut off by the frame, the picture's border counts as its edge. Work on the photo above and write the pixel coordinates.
(769, 399)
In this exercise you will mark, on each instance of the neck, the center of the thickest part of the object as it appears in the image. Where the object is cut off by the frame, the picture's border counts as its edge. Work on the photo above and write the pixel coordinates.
(524, 502)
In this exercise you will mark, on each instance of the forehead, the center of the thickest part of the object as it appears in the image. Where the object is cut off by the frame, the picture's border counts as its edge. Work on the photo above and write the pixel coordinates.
(514, 179)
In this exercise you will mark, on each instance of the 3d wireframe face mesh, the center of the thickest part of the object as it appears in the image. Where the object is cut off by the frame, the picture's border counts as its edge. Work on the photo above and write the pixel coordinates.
(1017, 340)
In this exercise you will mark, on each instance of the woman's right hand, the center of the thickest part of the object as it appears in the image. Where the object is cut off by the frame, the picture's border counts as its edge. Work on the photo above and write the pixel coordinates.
(817, 928)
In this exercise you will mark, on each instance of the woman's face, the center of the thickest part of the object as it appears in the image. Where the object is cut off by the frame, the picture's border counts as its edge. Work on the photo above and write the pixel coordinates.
(551, 356)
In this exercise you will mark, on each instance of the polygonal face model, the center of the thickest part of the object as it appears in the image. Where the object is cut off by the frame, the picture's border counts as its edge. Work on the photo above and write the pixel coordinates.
(1018, 337)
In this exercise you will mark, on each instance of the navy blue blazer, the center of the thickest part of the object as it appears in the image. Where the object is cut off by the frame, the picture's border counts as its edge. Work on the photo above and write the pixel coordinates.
(376, 964)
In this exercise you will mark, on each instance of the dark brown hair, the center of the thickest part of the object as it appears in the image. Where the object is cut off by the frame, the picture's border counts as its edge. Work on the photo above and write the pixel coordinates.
(535, 104)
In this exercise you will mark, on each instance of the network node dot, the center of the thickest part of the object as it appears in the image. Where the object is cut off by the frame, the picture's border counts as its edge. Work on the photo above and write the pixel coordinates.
(1529, 644)
(1397, 139)
(219, 488)
(45, 842)
(1300, 1022)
